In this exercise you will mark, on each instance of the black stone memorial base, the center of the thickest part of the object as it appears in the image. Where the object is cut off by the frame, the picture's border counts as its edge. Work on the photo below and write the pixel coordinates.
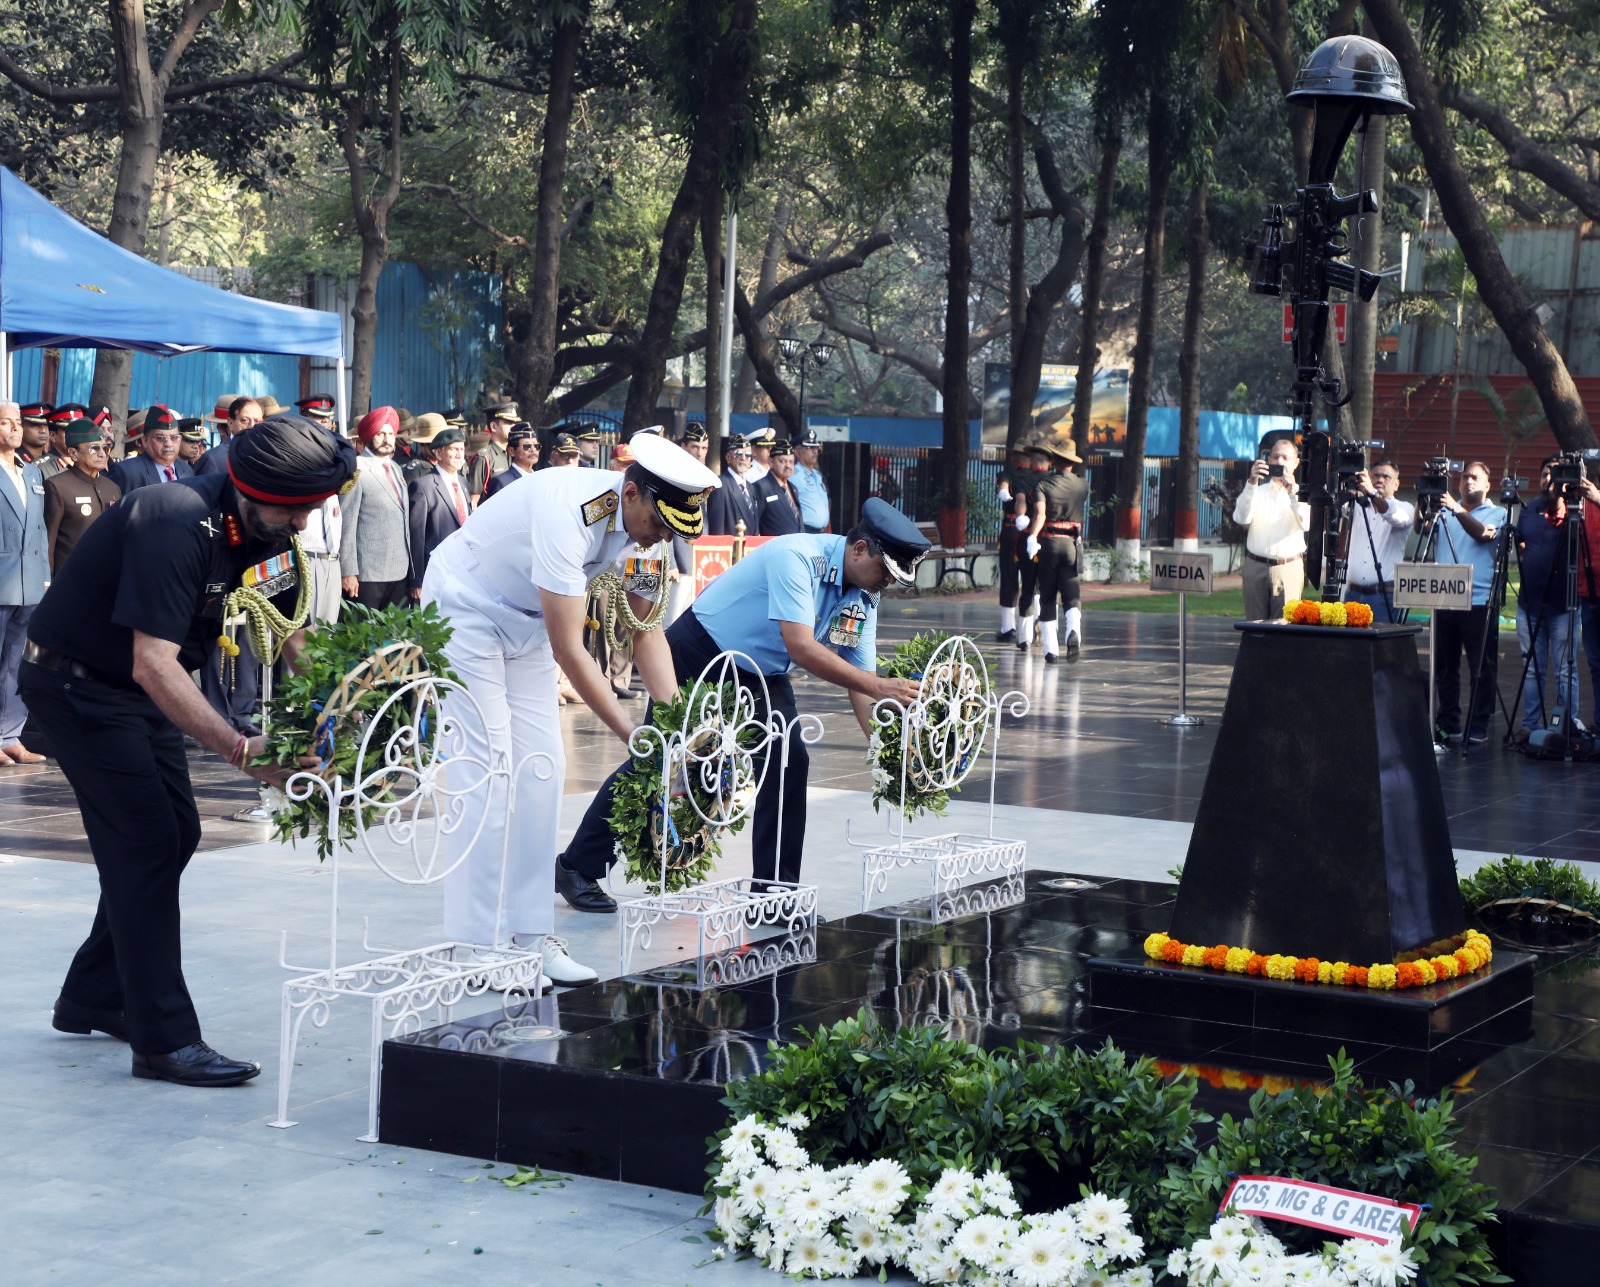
(1321, 830)
(623, 1080)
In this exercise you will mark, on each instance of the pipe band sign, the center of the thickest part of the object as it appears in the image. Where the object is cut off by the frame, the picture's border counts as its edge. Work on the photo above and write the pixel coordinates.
(1443, 586)
(1171, 571)
(1341, 1211)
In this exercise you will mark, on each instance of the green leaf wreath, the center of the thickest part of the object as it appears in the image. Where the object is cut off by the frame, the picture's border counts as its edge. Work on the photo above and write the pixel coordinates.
(327, 706)
(636, 815)
(885, 749)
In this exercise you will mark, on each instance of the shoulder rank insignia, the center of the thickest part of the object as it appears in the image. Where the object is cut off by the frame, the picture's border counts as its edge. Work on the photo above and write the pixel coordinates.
(235, 534)
(601, 507)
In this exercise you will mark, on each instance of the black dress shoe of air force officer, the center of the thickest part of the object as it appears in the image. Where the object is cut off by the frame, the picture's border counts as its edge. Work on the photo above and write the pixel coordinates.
(196, 1064)
(581, 892)
(81, 1020)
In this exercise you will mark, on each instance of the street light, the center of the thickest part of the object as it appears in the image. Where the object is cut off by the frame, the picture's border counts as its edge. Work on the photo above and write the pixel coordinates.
(797, 353)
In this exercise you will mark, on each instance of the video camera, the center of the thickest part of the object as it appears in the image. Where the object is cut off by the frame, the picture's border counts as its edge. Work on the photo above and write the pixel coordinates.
(1434, 483)
(1568, 472)
(1349, 462)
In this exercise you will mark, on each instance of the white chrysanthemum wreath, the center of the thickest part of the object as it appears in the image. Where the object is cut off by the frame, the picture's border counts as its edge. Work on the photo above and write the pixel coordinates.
(820, 1222)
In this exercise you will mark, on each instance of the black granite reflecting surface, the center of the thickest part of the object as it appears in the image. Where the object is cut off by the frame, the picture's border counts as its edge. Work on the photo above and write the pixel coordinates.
(624, 1079)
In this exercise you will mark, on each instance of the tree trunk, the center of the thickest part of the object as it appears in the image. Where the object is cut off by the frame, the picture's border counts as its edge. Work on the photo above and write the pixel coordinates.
(1366, 251)
(1186, 501)
(711, 242)
(535, 358)
(1028, 344)
(744, 390)
(1130, 491)
(1020, 417)
(1094, 276)
(958, 283)
(1503, 294)
(728, 77)
(364, 316)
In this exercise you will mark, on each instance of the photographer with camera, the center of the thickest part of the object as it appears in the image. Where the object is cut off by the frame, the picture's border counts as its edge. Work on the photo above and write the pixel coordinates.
(1275, 524)
(1466, 532)
(1544, 617)
(1379, 526)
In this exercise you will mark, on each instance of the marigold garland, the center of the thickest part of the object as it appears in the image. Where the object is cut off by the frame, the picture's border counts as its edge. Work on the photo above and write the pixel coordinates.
(1472, 953)
(1308, 612)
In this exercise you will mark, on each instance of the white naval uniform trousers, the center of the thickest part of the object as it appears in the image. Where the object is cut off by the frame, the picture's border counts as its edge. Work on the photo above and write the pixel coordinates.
(502, 656)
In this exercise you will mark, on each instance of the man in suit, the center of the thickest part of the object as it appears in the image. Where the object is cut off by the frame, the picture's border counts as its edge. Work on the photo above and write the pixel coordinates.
(24, 575)
(79, 494)
(157, 461)
(234, 413)
(423, 431)
(438, 502)
(523, 444)
(777, 502)
(55, 459)
(375, 550)
(733, 501)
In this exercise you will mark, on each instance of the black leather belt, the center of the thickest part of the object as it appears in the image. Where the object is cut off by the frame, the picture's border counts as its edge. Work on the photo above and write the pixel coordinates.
(1272, 563)
(1061, 529)
(44, 659)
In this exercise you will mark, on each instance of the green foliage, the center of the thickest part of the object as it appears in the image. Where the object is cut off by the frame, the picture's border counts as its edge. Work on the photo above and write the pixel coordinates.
(1513, 877)
(886, 749)
(297, 726)
(930, 1102)
(692, 843)
(1389, 1143)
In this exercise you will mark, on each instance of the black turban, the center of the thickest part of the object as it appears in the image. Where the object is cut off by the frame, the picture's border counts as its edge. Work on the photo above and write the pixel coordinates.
(288, 460)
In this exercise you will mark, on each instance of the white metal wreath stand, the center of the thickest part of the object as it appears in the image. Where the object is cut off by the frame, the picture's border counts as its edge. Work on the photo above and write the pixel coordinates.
(417, 782)
(711, 753)
(942, 735)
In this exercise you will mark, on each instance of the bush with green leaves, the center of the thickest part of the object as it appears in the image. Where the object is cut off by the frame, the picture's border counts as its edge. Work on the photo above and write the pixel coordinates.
(1390, 1143)
(295, 723)
(1040, 1114)
(1513, 877)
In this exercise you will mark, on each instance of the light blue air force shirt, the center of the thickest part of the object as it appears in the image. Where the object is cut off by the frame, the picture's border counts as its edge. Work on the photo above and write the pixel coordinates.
(790, 578)
(1455, 546)
(813, 494)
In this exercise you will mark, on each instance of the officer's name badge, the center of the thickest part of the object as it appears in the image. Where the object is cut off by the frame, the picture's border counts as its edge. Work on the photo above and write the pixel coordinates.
(848, 623)
(600, 508)
(271, 576)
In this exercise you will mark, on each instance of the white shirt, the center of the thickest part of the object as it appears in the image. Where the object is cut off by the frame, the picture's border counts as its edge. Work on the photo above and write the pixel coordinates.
(1389, 530)
(557, 530)
(756, 473)
(324, 530)
(1276, 521)
(13, 471)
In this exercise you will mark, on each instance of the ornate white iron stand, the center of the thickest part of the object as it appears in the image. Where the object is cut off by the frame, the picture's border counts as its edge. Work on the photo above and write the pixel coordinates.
(942, 735)
(418, 786)
(724, 732)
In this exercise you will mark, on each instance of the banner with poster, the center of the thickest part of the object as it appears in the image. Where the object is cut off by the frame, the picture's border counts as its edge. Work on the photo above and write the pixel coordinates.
(713, 555)
(1052, 406)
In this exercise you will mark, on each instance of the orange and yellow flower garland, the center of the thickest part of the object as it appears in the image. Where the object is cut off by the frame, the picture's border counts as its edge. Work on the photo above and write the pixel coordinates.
(1473, 953)
(1308, 612)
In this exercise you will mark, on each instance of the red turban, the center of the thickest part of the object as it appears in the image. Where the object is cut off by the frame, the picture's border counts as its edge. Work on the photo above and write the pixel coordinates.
(375, 421)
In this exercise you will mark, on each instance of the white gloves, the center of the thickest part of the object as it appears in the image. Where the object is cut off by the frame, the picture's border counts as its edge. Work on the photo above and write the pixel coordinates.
(1023, 522)
(1033, 547)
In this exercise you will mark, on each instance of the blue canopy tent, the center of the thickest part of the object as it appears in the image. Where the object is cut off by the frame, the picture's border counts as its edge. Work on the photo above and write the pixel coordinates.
(64, 285)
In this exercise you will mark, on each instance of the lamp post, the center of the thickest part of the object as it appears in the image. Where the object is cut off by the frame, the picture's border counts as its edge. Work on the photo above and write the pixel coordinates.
(797, 353)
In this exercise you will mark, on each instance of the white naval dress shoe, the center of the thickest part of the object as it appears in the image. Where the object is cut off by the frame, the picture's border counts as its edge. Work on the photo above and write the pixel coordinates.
(561, 968)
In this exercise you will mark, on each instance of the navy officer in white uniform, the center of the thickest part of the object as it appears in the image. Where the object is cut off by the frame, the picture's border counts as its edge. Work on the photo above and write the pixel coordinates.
(513, 582)
(803, 600)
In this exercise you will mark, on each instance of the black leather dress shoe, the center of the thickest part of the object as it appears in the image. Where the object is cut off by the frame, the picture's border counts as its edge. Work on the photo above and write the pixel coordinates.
(581, 892)
(81, 1020)
(196, 1064)
(1005, 636)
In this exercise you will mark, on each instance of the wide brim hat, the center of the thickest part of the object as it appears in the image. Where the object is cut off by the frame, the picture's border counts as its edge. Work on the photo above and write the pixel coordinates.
(678, 485)
(428, 425)
(1053, 446)
(219, 413)
(270, 406)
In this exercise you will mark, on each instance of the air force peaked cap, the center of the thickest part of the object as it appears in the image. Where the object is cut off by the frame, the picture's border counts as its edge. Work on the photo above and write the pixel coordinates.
(897, 536)
(679, 484)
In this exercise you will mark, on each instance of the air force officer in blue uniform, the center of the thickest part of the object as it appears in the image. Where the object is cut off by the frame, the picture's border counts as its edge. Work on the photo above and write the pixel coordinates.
(809, 601)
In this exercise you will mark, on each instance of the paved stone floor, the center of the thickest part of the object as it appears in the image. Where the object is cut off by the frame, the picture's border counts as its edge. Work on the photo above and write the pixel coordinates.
(109, 1179)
